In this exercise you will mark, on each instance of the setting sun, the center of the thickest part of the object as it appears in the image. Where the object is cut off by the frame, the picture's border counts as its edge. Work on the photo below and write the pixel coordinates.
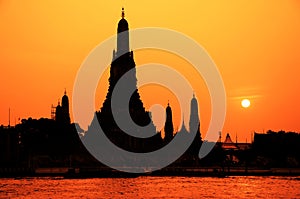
(245, 103)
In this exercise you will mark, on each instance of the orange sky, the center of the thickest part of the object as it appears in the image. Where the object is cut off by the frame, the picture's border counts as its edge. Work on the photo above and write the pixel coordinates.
(255, 45)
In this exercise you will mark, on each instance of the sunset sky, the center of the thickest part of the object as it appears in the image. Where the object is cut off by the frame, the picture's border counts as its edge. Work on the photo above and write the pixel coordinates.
(255, 45)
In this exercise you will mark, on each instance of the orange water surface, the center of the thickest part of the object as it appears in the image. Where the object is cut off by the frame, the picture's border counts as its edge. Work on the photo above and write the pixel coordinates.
(152, 187)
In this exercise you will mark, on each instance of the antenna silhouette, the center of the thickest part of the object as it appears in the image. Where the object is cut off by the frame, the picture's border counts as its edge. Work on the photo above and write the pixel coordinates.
(8, 117)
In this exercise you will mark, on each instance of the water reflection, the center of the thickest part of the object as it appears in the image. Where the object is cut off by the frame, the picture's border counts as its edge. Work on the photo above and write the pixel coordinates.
(152, 187)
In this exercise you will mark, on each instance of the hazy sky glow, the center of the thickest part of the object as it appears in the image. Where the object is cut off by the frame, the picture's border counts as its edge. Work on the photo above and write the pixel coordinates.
(255, 45)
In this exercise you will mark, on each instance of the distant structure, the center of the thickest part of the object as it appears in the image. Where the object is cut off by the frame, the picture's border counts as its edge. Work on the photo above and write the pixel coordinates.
(228, 144)
(190, 157)
(169, 130)
(195, 127)
(62, 115)
(53, 112)
(194, 121)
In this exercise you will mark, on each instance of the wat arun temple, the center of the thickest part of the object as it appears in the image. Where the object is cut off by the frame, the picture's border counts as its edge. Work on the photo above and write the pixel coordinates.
(123, 62)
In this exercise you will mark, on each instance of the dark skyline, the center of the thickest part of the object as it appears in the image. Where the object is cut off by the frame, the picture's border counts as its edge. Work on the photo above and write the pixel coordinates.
(166, 100)
(257, 59)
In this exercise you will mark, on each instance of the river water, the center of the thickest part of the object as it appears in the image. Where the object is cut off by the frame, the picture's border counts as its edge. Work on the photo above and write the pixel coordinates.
(152, 187)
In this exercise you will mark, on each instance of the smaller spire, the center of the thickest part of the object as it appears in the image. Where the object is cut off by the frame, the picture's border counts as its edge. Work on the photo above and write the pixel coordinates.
(193, 94)
(183, 127)
(123, 13)
(65, 92)
(168, 103)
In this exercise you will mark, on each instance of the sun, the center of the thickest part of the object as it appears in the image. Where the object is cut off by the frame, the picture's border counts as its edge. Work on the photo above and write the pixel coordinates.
(245, 103)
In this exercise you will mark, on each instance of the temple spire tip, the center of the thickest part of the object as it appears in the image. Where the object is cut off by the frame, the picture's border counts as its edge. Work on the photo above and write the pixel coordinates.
(123, 13)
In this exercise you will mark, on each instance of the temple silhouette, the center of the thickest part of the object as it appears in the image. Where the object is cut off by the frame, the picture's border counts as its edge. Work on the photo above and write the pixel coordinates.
(62, 113)
(36, 146)
(123, 62)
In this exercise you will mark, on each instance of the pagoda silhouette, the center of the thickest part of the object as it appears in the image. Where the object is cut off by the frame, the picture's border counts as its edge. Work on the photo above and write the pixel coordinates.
(123, 62)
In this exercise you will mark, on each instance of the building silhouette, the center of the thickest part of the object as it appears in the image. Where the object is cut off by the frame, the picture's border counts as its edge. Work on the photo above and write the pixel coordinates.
(122, 62)
(194, 117)
(62, 114)
(228, 144)
(195, 127)
(190, 157)
(169, 130)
